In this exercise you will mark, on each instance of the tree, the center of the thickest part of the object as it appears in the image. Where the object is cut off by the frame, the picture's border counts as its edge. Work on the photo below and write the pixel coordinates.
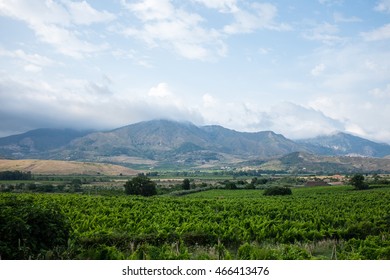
(15, 175)
(231, 185)
(140, 185)
(254, 181)
(357, 181)
(186, 184)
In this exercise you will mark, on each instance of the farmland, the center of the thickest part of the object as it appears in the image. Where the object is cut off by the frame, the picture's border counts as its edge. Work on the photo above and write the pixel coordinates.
(332, 222)
(59, 167)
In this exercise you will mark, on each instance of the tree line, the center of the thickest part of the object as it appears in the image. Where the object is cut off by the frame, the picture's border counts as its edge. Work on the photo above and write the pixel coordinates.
(15, 175)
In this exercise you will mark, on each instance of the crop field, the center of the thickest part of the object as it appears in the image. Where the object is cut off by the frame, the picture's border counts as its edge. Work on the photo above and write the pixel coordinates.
(333, 222)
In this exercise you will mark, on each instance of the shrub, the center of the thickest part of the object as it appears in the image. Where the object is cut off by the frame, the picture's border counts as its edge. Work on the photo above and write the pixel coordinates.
(29, 230)
(231, 186)
(278, 191)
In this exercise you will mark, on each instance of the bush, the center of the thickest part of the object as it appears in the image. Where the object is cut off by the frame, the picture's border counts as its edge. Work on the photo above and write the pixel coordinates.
(278, 191)
(101, 252)
(29, 230)
(230, 185)
(254, 252)
(250, 186)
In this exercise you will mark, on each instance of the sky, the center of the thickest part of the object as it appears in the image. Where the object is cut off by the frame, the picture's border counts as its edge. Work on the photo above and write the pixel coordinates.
(299, 68)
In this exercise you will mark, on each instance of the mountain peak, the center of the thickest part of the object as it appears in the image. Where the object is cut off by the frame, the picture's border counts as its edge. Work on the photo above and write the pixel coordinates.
(172, 143)
(342, 143)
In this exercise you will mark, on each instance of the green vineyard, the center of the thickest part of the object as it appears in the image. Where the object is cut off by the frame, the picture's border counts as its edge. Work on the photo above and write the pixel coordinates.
(312, 223)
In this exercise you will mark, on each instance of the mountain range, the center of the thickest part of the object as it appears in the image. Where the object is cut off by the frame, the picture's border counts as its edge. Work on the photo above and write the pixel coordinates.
(171, 144)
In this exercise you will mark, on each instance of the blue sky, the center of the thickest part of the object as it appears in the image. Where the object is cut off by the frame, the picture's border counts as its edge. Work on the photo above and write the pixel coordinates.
(300, 68)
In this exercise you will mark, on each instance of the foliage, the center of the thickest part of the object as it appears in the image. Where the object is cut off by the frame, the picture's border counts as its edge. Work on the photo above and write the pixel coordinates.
(278, 191)
(15, 175)
(230, 185)
(250, 186)
(285, 252)
(223, 224)
(187, 192)
(186, 184)
(28, 229)
(140, 185)
(357, 181)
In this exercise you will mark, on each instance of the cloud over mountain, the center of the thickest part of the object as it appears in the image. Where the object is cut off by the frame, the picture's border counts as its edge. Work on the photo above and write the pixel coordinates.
(298, 69)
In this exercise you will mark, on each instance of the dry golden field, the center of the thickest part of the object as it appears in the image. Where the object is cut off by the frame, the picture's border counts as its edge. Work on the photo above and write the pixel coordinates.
(63, 167)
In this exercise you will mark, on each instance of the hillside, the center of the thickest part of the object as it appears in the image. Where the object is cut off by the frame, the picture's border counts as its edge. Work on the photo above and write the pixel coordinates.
(37, 142)
(181, 145)
(345, 144)
(58, 167)
(299, 162)
(169, 143)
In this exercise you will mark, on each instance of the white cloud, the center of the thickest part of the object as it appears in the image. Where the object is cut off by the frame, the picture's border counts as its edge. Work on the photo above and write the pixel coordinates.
(239, 115)
(264, 51)
(246, 22)
(101, 89)
(149, 10)
(325, 32)
(161, 90)
(93, 104)
(163, 24)
(295, 121)
(63, 13)
(354, 90)
(66, 41)
(208, 101)
(289, 119)
(133, 55)
(54, 23)
(340, 18)
(83, 104)
(318, 69)
(34, 58)
(340, 83)
(82, 13)
(189, 34)
(88, 104)
(261, 16)
(223, 6)
(330, 2)
(381, 93)
(361, 118)
(381, 33)
(32, 68)
(354, 128)
(35, 12)
(32, 62)
(383, 6)
(351, 69)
